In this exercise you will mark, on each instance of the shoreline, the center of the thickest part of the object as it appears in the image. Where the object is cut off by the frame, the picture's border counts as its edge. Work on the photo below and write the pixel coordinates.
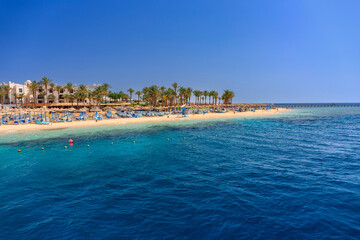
(13, 129)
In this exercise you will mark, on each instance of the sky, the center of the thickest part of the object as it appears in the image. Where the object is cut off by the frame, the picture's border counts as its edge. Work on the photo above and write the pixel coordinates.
(265, 51)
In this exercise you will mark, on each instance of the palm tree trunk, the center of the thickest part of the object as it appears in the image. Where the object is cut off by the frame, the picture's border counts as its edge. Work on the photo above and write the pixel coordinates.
(34, 95)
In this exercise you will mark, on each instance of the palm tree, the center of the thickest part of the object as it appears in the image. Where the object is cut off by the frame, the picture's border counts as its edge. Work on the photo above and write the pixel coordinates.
(71, 99)
(98, 91)
(82, 88)
(154, 94)
(83, 92)
(66, 97)
(211, 96)
(83, 96)
(41, 94)
(20, 97)
(163, 96)
(33, 88)
(227, 96)
(232, 95)
(119, 96)
(202, 98)
(104, 90)
(138, 93)
(2, 96)
(113, 96)
(175, 86)
(90, 97)
(188, 94)
(130, 90)
(98, 98)
(197, 95)
(58, 89)
(45, 82)
(52, 87)
(52, 97)
(7, 89)
(27, 96)
(145, 92)
(205, 93)
(215, 96)
(16, 98)
(125, 97)
(77, 96)
(69, 87)
(182, 94)
(171, 95)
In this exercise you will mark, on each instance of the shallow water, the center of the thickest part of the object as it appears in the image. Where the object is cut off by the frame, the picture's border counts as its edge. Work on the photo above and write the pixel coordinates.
(288, 176)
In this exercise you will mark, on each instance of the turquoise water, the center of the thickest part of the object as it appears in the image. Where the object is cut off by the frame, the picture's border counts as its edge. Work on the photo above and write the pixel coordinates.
(294, 175)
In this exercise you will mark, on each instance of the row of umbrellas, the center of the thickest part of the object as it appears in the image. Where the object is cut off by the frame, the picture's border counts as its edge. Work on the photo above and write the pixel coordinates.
(96, 108)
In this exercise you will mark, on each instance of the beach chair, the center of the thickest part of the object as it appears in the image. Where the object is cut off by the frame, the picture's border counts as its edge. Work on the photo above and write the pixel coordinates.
(97, 116)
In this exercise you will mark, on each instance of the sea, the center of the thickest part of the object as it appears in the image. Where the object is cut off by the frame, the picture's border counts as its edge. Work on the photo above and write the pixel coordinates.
(294, 175)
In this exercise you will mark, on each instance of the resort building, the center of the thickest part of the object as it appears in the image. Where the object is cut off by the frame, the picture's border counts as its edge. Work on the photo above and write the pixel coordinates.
(17, 92)
(20, 94)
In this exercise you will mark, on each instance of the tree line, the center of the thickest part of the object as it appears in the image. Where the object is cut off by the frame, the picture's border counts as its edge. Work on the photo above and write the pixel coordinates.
(153, 95)
(174, 95)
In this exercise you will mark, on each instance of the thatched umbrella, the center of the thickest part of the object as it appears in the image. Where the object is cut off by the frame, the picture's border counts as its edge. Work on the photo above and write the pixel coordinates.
(95, 109)
(59, 110)
(10, 110)
(137, 108)
(109, 109)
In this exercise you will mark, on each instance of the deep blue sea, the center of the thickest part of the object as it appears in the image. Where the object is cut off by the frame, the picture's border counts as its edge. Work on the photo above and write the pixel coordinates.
(289, 176)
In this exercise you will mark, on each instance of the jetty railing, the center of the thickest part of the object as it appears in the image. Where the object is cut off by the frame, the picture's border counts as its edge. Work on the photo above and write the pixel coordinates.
(315, 105)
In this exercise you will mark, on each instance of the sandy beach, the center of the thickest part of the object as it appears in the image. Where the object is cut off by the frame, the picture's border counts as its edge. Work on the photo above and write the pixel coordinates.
(92, 123)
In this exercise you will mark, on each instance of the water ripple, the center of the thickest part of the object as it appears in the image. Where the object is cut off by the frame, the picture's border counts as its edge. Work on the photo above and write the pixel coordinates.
(294, 176)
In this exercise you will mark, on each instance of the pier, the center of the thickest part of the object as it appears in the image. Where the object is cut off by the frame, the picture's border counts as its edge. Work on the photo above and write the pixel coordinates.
(315, 105)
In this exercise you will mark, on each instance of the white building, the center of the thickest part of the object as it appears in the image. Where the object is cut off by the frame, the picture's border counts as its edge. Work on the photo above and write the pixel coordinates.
(15, 90)
(23, 95)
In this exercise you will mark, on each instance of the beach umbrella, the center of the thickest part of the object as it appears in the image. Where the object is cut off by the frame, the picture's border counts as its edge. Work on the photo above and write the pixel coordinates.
(109, 109)
(95, 109)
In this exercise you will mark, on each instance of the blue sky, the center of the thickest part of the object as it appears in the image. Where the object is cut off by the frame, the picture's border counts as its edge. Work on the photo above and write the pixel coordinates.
(265, 51)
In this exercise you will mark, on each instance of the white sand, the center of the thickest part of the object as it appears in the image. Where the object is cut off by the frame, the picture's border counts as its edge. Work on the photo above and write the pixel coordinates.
(92, 123)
